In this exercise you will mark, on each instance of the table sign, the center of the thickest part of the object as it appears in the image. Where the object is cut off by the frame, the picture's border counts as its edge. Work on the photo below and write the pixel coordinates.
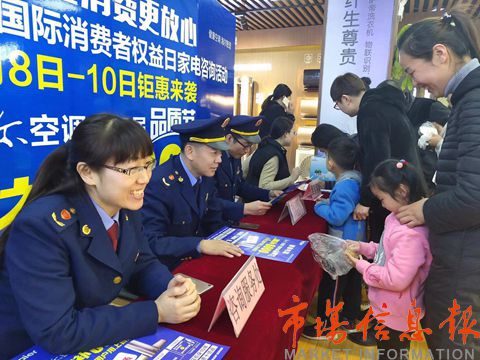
(240, 295)
(313, 191)
(295, 207)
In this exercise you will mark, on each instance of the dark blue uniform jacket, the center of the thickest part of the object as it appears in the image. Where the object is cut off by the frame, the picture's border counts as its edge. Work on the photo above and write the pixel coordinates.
(174, 219)
(230, 182)
(61, 272)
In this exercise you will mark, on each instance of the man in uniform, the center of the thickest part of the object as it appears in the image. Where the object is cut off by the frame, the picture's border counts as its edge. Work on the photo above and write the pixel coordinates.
(242, 133)
(181, 206)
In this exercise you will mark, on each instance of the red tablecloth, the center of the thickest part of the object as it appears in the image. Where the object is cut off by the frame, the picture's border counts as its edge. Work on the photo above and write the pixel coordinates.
(281, 280)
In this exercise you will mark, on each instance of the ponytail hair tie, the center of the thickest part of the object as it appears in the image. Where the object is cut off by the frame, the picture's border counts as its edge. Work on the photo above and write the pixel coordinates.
(401, 164)
(448, 19)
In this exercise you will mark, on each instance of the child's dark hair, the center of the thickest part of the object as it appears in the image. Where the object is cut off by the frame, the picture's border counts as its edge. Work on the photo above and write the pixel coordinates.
(280, 127)
(457, 31)
(390, 174)
(367, 81)
(347, 84)
(324, 134)
(344, 152)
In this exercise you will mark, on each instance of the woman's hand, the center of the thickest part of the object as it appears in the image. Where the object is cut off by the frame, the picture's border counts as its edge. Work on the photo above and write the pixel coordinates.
(361, 212)
(412, 215)
(272, 194)
(179, 303)
(434, 140)
(220, 247)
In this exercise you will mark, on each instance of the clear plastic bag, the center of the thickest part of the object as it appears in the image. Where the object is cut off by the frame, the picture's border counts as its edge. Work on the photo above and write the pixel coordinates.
(329, 252)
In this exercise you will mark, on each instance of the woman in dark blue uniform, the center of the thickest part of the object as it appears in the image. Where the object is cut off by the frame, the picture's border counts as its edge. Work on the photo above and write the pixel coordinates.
(78, 241)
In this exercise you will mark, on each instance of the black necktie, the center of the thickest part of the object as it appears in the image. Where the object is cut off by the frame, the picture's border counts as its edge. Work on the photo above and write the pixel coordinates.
(196, 191)
(232, 165)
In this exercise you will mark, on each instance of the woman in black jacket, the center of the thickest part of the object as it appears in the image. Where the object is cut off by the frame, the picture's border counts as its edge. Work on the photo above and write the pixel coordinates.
(268, 167)
(384, 132)
(441, 54)
(275, 105)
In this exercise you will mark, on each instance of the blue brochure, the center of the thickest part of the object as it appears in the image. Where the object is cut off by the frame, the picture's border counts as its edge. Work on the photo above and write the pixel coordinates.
(318, 169)
(165, 344)
(288, 190)
(272, 247)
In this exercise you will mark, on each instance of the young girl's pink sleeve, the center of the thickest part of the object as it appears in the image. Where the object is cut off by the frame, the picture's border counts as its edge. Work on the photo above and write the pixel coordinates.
(398, 272)
(368, 249)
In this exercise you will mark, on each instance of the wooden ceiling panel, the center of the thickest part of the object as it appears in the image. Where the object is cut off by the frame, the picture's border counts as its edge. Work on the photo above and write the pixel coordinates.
(276, 14)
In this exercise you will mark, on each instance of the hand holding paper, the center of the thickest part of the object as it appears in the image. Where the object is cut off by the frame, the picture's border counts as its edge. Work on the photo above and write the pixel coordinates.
(256, 208)
(274, 193)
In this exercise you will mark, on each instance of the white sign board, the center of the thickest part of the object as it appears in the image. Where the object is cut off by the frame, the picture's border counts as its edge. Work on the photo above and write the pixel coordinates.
(357, 39)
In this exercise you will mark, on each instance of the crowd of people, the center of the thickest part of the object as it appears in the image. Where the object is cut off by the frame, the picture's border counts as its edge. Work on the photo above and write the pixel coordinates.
(102, 216)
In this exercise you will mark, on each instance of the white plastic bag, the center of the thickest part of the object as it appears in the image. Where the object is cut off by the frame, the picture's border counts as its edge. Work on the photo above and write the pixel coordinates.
(329, 252)
(426, 131)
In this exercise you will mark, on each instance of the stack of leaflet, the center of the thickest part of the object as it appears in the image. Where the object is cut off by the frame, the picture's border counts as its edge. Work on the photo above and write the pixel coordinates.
(165, 344)
(272, 247)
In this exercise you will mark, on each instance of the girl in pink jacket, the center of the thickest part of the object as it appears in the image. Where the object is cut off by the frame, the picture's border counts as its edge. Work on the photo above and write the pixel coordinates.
(401, 260)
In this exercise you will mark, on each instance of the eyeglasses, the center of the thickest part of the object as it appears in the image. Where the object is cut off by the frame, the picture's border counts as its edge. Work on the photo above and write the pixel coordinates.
(335, 106)
(136, 170)
(247, 146)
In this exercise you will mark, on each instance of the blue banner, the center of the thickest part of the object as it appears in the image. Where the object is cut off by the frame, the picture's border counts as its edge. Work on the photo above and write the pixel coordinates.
(160, 62)
(272, 247)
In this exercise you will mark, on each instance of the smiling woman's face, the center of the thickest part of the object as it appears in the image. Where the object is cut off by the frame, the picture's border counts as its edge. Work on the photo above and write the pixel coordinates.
(433, 74)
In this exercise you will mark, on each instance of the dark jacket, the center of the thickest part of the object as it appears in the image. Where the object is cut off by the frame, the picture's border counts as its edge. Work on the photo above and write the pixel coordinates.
(272, 111)
(267, 149)
(453, 217)
(61, 273)
(384, 132)
(230, 182)
(174, 223)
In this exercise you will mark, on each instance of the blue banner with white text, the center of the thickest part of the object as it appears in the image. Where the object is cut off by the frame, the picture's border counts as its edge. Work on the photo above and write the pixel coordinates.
(161, 62)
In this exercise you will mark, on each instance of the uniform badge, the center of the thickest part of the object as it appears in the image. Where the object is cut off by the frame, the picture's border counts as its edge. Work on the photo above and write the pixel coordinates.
(65, 214)
(258, 123)
(171, 177)
(165, 182)
(59, 223)
(180, 179)
(176, 172)
(86, 230)
(73, 211)
(225, 122)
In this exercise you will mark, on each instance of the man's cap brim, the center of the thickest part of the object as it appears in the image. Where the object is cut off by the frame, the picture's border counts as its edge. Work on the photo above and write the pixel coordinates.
(219, 145)
(254, 139)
